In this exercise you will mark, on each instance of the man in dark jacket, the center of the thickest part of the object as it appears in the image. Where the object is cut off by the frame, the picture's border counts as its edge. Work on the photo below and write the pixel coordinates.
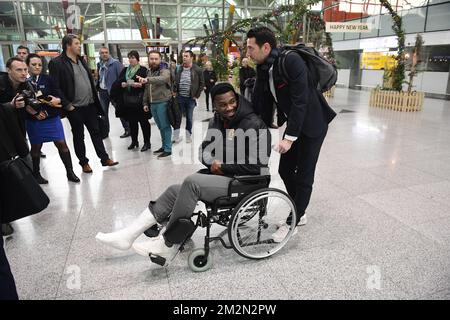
(11, 84)
(189, 84)
(299, 102)
(75, 86)
(11, 139)
(237, 143)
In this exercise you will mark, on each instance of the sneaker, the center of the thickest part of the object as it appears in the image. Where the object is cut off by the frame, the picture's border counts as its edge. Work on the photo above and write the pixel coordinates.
(156, 246)
(302, 222)
(176, 139)
(160, 150)
(282, 232)
(164, 155)
(188, 139)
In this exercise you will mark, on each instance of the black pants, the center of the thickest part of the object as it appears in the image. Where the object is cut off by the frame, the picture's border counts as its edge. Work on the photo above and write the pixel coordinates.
(145, 127)
(86, 116)
(7, 285)
(207, 91)
(297, 168)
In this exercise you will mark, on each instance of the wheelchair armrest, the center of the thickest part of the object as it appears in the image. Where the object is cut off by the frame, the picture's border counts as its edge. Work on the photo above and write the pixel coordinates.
(250, 178)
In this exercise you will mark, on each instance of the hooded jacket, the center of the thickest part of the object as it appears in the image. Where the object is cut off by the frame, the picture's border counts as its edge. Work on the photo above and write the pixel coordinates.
(243, 145)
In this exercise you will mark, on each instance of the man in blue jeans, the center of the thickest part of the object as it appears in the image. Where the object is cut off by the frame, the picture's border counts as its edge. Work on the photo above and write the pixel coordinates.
(189, 85)
(156, 95)
(108, 71)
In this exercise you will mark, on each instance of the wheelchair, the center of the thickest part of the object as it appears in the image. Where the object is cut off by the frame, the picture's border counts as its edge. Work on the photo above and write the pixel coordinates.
(251, 212)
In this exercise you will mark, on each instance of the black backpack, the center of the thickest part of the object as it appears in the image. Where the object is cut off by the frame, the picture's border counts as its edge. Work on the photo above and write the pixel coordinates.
(322, 72)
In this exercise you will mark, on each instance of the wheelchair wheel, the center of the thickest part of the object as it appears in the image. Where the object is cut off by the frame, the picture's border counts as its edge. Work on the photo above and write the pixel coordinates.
(255, 220)
(196, 260)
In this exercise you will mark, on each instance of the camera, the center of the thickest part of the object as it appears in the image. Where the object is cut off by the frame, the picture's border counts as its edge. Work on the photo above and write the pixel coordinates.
(30, 100)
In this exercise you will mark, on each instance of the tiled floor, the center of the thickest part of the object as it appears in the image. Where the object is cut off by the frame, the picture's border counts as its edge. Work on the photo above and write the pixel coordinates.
(379, 220)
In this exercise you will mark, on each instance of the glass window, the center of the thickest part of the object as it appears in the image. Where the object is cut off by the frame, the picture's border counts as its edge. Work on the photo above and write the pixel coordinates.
(436, 1)
(386, 26)
(414, 20)
(8, 22)
(375, 25)
(257, 3)
(337, 36)
(436, 58)
(352, 35)
(438, 17)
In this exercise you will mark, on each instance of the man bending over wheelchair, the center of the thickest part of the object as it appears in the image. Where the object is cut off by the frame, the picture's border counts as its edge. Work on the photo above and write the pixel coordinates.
(237, 143)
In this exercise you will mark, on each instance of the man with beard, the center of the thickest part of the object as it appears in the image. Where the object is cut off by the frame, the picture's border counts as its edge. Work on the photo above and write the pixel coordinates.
(156, 96)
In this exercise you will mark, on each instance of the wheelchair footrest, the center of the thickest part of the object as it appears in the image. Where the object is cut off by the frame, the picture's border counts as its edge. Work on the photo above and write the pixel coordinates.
(158, 260)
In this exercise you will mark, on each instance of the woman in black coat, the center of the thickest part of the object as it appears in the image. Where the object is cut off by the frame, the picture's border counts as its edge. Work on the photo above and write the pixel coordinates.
(127, 93)
(12, 140)
(210, 80)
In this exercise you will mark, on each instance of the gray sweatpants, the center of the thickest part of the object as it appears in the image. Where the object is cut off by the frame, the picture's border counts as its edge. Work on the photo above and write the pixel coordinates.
(179, 201)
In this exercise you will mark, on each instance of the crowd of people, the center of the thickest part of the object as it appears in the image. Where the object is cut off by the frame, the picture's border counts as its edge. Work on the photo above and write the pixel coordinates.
(137, 94)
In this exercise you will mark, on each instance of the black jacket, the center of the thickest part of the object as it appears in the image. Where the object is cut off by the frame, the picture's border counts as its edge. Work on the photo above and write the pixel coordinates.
(12, 141)
(117, 96)
(61, 73)
(299, 102)
(244, 74)
(253, 158)
(208, 76)
(7, 94)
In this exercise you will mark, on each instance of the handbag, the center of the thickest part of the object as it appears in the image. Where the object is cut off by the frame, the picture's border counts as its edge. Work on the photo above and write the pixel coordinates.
(133, 100)
(22, 196)
(174, 113)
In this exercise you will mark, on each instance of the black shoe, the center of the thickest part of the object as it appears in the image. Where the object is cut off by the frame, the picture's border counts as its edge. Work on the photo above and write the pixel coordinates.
(42, 155)
(164, 155)
(153, 231)
(126, 134)
(8, 230)
(71, 176)
(160, 150)
(39, 178)
(133, 145)
(146, 147)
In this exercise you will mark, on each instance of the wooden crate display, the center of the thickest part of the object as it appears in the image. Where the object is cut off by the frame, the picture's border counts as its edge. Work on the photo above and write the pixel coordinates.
(399, 101)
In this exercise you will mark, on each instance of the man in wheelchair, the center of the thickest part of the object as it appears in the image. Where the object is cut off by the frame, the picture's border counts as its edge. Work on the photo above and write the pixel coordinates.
(237, 143)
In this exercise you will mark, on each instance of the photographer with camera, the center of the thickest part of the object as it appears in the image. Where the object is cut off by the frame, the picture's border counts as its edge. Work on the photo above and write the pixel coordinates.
(43, 122)
(12, 83)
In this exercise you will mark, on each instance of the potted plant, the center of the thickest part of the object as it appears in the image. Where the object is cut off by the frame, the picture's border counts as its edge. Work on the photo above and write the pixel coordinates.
(392, 96)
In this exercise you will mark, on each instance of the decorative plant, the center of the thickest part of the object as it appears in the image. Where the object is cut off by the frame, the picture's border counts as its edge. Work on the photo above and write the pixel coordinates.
(285, 20)
(399, 69)
(416, 59)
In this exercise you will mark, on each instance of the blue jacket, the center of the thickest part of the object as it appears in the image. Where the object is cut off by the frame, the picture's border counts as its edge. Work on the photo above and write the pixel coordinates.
(114, 67)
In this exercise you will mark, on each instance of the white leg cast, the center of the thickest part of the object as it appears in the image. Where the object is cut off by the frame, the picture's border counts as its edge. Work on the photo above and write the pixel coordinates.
(123, 239)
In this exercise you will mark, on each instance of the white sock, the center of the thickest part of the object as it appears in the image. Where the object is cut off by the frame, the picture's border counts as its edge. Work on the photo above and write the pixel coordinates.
(123, 239)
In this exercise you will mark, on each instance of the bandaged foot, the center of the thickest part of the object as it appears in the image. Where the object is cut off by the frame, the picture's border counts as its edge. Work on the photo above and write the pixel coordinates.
(123, 239)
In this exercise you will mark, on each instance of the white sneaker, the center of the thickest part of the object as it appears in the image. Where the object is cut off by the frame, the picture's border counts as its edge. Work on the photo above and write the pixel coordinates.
(282, 232)
(188, 139)
(156, 247)
(176, 139)
(302, 222)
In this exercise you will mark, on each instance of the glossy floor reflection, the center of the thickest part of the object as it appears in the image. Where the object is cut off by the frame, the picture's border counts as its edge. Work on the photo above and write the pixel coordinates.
(378, 223)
